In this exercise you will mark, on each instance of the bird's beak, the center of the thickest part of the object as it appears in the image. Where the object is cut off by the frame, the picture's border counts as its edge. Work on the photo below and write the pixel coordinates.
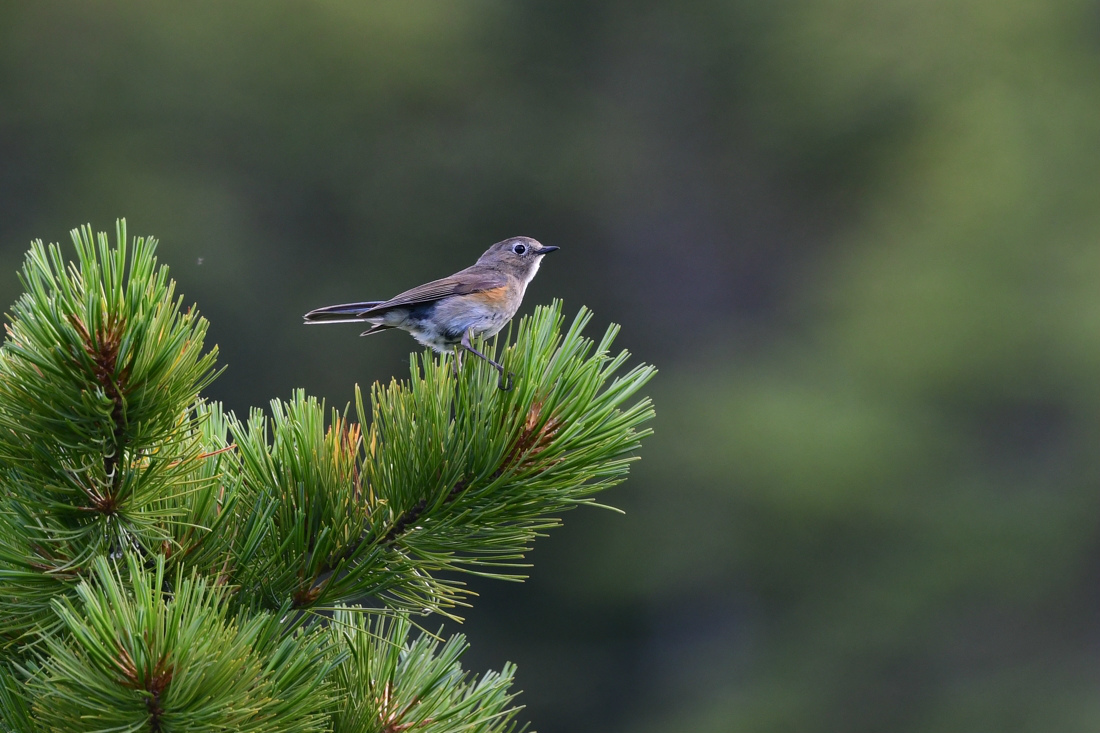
(547, 250)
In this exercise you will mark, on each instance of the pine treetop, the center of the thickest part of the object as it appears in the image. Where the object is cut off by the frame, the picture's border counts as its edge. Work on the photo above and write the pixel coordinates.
(165, 565)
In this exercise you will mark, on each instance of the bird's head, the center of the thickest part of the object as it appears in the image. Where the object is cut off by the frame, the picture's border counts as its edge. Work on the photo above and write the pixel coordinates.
(519, 256)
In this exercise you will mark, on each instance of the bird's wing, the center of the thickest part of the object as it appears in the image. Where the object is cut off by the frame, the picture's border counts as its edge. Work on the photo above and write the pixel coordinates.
(462, 283)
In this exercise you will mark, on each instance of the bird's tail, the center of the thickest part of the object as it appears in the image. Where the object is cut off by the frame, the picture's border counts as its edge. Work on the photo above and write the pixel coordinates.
(345, 313)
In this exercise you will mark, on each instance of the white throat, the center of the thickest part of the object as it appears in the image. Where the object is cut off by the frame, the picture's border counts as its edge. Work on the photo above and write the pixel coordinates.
(534, 271)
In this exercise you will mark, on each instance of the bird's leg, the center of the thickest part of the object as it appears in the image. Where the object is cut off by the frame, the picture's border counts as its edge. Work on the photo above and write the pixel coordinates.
(456, 365)
(500, 369)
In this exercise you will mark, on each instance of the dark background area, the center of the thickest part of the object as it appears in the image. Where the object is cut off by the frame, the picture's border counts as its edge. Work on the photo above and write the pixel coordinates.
(861, 241)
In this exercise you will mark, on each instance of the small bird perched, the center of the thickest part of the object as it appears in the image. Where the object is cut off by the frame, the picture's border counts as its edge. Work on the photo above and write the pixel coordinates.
(445, 314)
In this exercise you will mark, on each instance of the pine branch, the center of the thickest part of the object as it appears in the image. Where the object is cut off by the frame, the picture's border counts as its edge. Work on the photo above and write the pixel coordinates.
(161, 562)
(474, 490)
(97, 435)
(391, 684)
(15, 710)
(135, 658)
(454, 474)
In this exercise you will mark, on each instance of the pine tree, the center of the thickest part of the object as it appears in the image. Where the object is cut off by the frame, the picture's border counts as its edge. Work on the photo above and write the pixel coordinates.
(167, 566)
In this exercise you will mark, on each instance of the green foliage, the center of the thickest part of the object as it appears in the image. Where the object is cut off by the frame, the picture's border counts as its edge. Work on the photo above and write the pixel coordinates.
(99, 440)
(134, 657)
(452, 475)
(392, 683)
(162, 562)
(15, 708)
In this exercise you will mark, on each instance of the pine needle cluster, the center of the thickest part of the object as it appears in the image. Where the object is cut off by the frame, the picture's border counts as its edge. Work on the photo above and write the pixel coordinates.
(167, 566)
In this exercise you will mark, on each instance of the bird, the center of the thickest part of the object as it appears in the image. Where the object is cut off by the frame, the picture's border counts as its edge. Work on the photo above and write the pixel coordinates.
(446, 314)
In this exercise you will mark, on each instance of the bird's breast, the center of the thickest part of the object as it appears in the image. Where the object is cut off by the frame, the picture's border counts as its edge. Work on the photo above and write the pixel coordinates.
(494, 298)
(484, 312)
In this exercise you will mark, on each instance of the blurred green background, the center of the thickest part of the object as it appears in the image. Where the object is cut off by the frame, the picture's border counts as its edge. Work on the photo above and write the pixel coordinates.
(861, 240)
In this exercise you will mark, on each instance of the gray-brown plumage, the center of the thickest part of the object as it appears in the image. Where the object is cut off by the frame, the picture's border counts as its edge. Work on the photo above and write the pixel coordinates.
(446, 313)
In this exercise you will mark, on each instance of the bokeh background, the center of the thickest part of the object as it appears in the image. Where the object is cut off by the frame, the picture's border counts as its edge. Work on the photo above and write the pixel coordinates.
(861, 240)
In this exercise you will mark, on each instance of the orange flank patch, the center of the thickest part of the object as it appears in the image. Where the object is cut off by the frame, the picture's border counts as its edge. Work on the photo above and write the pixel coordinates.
(493, 296)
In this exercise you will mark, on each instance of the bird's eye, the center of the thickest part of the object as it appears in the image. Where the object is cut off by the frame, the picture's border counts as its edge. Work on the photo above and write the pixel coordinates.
(519, 248)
